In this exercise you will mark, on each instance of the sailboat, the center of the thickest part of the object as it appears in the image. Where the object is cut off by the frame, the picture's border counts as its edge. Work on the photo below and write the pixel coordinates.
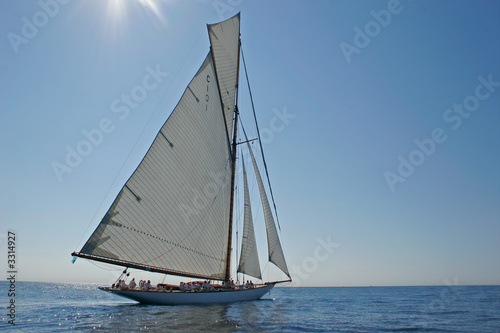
(174, 215)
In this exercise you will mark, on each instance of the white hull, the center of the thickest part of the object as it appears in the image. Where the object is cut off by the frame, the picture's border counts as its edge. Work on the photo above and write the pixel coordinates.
(177, 298)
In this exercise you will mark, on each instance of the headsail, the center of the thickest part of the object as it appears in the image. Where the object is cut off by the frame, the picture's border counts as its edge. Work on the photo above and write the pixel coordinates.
(276, 255)
(224, 41)
(249, 259)
(173, 212)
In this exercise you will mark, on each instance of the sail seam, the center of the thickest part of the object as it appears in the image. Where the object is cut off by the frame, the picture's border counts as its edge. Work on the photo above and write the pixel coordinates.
(167, 241)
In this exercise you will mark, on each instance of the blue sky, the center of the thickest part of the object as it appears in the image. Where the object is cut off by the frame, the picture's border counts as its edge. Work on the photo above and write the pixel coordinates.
(345, 89)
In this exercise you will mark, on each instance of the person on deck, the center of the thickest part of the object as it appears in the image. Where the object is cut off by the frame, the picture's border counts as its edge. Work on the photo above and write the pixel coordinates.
(123, 285)
(132, 284)
(147, 285)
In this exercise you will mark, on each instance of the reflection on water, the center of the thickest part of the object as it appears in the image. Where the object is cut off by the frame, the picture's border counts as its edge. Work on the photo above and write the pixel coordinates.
(164, 318)
(254, 315)
(56, 307)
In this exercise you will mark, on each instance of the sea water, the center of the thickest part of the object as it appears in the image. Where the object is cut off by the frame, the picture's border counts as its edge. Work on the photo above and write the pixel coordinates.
(59, 307)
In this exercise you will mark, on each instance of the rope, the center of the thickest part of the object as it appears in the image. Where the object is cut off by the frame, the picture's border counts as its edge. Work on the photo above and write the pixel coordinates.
(260, 141)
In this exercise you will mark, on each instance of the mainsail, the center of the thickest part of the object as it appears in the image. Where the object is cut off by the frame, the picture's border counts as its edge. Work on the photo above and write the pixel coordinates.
(174, 213)
(276, 255)
(249, 259)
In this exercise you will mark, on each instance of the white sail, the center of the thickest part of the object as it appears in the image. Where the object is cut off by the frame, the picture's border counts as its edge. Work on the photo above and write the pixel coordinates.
(249, 259)
(276, 255)
(224, 40)
(173, 215)
(173, 212)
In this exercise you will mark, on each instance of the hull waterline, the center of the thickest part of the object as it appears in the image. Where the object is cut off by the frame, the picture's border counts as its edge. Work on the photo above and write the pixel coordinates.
(178, 298)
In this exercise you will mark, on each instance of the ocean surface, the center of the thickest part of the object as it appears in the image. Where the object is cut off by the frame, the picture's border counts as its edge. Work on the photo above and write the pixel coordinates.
(59, 307)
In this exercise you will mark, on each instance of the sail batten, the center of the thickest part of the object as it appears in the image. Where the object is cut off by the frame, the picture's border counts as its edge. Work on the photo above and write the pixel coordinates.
(249, 259)
(276, 255)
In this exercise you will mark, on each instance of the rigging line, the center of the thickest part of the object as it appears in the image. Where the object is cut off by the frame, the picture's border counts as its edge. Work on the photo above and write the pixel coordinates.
(258, 206)
(253, 186)
(140, 135)
(260, 141)
(252, 190)
(104, 267)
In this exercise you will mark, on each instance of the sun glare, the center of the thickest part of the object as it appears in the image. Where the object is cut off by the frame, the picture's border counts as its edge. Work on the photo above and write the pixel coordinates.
(121, 13)
(153, 7)
(117, 8)
(115, 17)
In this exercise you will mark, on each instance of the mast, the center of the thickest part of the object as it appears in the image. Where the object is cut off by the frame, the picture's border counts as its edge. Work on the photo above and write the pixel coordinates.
(233, 171)
(233, 168)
